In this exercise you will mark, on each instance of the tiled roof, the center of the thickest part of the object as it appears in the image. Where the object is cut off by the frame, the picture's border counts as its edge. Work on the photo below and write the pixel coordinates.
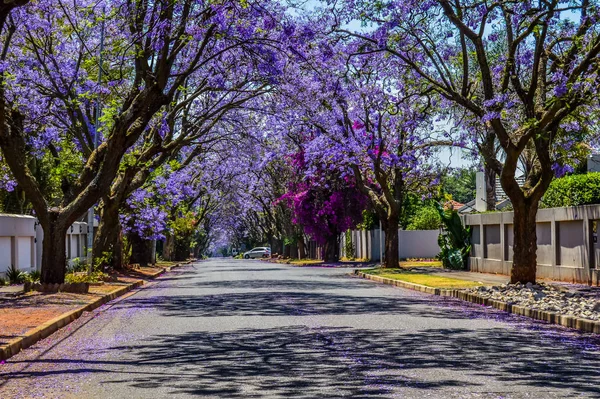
(453, 204)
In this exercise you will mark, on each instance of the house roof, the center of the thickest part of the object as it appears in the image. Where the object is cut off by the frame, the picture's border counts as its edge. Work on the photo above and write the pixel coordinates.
(467, 208)
(453, 205)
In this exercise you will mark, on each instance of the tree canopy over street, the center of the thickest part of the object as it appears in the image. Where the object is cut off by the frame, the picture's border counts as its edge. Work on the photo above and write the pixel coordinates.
(203, 123)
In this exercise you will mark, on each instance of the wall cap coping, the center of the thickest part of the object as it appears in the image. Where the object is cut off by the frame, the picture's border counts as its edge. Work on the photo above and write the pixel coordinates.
(9, 215)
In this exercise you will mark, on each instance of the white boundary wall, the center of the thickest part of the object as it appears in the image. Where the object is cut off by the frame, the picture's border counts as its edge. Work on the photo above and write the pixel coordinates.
(411, 244)
(418, 243)
(568, 247)
(21, 240)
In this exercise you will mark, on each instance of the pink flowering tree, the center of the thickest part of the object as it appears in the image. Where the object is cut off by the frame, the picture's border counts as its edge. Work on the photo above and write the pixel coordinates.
(324, 204)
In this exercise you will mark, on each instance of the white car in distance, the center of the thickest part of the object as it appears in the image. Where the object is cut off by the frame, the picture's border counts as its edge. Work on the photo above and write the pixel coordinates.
(258, 252)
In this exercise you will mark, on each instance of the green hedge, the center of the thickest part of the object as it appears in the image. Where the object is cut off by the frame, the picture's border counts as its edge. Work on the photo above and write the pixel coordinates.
(426, 218)
(573, 190)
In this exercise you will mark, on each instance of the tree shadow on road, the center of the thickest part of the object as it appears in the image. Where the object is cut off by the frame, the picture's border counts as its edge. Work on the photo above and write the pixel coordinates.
(303, 362)
(290, 303)
(259, 284)
(320, 361)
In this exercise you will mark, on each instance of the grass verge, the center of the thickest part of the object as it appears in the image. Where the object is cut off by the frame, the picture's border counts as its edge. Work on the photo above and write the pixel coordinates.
(429, 280)
(416, 263)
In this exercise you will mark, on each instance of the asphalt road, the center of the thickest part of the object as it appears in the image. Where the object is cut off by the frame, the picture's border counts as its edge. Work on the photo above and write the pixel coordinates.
(249, 329)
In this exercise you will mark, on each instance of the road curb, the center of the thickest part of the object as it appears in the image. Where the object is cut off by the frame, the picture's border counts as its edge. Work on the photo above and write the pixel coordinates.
(169, 268)
(584, 325)
(155, 275)
(164, 270)
(38, 333)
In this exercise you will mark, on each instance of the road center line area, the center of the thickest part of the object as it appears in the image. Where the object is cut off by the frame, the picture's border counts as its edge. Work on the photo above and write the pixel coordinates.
(249, 329)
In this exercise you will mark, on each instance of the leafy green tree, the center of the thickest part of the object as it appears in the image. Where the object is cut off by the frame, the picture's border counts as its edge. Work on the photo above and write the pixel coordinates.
(426, 218)
(460, 184)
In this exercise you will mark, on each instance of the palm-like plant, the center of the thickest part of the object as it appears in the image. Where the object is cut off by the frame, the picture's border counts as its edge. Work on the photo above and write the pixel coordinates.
(15, 276)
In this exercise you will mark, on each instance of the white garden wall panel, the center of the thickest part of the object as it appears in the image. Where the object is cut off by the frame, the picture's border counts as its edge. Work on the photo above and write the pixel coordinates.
(418, 243)
(411, 244)
(25, 251)
(5, 254)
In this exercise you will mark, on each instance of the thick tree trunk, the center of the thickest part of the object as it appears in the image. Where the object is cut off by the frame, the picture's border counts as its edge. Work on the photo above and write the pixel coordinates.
(488, 150)
(202, 247)
(525, 243)
(276, 246)
(107, 241)
(112, 251)
(54, 255)
(390, 226)
(287, 251)
(117, 259)
(331, 249)
(182, 250)
(141, 250)
(169, 247)
(294, 250)
(525, 201)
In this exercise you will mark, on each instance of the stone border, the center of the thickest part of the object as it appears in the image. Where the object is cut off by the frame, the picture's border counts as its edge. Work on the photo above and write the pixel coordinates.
(75, 288)
(584, 325)
(167, 269)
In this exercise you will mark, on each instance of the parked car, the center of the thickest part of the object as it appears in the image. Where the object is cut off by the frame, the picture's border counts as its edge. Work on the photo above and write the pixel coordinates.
(258, 252)
(234, 252)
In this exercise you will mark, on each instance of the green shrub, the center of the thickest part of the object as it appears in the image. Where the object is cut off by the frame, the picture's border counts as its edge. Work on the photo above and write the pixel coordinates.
(33, 277)
(455, 240)
(78, 265)
(426, 218)
(573, 190)
(86, 278)
(2, 281)
(369, 221)
(15, 276)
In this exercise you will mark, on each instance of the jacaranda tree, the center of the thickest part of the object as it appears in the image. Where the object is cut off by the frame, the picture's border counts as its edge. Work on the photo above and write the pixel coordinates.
(523, 71)
(151, 52)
